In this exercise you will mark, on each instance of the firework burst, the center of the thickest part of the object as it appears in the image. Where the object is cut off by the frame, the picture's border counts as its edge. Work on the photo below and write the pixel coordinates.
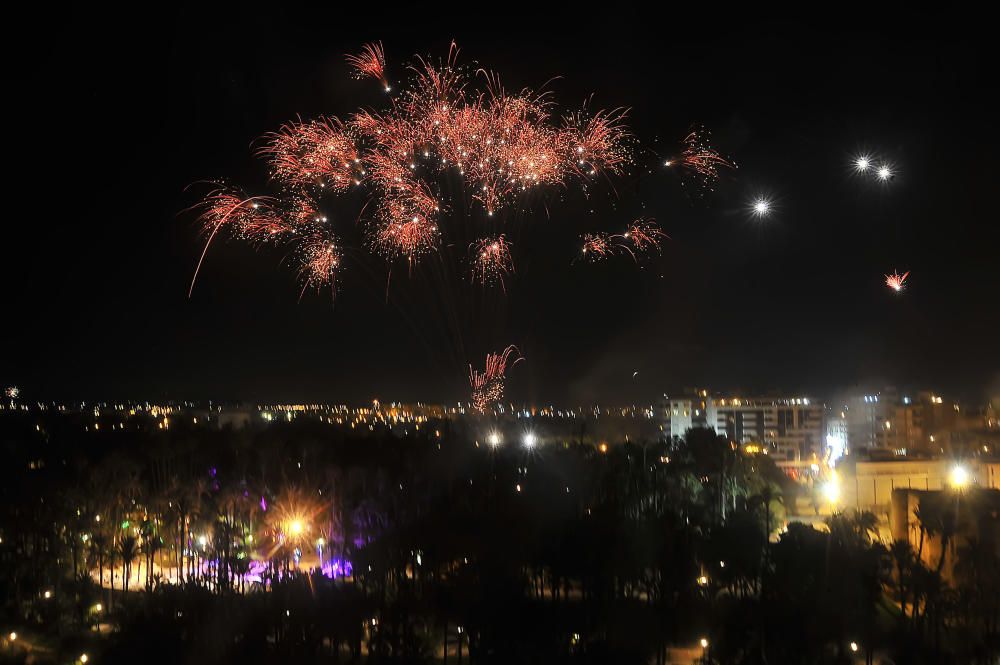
(317, 153)
(491, 260)
(700, 159)
(319, 258)
(448, 123)
(488, 386)
(370, 63)
(896, 282)
(644, 235)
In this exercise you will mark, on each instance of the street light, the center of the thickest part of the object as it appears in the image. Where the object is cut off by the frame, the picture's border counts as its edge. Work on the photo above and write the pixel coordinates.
(831, 490)
(529, 440)
(959, 477)
(493, 439)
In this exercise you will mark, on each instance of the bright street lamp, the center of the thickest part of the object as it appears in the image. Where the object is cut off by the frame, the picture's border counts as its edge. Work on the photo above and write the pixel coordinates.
(959, 477)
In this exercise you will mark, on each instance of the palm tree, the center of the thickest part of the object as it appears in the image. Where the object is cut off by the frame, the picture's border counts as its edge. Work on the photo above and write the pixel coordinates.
(902, 556)
(128, 549)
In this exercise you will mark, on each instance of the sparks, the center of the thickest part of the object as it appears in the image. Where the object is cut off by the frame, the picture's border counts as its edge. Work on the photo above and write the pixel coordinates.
(701, 160)
(644, 235)
(896, 282)
(488, 385)
(370, 62)
(448, 124)
(491, 260)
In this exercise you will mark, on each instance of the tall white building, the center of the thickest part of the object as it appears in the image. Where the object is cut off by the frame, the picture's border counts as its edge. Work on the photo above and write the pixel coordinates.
(790, 428)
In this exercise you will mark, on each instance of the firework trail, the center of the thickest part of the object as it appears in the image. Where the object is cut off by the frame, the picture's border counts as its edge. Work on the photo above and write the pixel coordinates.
(370, 62)
(700, 159)
(896, 282)
(488, 385)
(246, 216)
(491, 260)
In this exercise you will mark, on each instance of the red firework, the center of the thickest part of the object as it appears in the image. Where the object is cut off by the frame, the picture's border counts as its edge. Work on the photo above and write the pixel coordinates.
(319, 153)
(601, 246)
(250, 218)
(491, 260)
(319, 259)
(500, 145)
(896, 282)
(370, 62)
(644, 235)
(488, 385)
(701, 159)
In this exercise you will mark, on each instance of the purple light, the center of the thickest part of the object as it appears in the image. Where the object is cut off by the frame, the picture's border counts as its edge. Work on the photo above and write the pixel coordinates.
(337, 568)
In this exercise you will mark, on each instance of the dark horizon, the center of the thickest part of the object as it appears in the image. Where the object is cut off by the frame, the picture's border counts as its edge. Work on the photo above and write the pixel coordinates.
(100, 265)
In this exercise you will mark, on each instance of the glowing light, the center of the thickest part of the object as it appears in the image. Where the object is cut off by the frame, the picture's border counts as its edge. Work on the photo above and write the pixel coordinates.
(494, 439)
(854, 646)
(84, 658)
(862, 163)
(703, 642)
(884, 173)
(529, 440)
(761, 207)
(296, 527)
(959, 477)
(703, 580)
(831, 490)
(12, 637)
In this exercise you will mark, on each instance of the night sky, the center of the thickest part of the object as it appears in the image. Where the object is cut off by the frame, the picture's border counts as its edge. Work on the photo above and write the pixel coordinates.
(113, 122)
